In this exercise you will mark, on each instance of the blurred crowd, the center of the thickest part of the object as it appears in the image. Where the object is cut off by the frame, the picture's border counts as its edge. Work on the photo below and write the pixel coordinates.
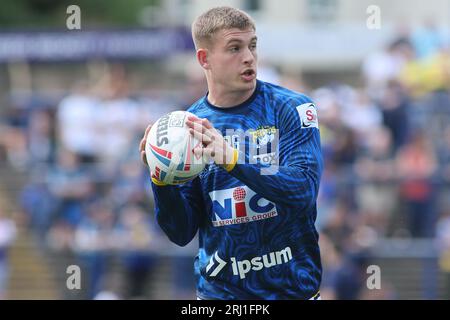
(386, 146)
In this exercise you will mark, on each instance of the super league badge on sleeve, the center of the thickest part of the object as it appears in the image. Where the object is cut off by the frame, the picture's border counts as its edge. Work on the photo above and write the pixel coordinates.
(308, 115)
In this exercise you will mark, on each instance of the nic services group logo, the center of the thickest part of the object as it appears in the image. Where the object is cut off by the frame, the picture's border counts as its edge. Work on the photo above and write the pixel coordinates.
(239, 205)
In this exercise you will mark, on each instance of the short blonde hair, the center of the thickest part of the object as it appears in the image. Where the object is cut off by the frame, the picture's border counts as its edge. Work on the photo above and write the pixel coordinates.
(216, 19)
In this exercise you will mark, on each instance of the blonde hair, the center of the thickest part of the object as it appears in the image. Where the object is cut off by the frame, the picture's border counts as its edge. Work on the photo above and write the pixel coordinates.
(216, 19)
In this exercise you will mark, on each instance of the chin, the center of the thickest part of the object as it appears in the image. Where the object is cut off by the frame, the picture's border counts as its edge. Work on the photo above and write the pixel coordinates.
(248, 84)
(241, 85)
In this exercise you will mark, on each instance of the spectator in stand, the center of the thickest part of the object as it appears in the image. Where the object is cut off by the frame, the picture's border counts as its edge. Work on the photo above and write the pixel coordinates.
(71, 184)
(375, 169)
(40, 136)
(395, 105)
(118, 117)
(381, 67)
(444, 164)
(443, 240)
(362, 116)
(331, 262)
(94, 240)
(13, 141)
(416, 166)
(427, 39)
(39, 204)
(7, 236)
(136, 238)
(77, 117)
(129, 184)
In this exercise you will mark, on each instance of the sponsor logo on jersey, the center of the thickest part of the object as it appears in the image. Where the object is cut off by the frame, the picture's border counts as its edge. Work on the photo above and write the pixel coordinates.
(263, 143)
(263, 135)
(265, 140)
(242, 267)
(308, 115)
(239, 205)
(266, 158)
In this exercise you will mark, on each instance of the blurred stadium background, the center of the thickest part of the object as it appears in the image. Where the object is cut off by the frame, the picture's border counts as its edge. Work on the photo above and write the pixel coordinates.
(74, 105)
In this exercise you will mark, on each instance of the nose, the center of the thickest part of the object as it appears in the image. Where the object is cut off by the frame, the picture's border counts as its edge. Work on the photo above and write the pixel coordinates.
(249, 57)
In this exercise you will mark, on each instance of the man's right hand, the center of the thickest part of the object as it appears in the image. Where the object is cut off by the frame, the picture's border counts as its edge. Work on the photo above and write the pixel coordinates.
(142, 145)
(144, 157)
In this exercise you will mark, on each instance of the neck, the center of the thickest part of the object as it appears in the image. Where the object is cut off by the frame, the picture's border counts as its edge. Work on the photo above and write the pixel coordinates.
(226, 98)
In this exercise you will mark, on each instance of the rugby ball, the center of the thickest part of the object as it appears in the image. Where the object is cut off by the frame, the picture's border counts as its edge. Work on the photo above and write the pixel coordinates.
(169, 150)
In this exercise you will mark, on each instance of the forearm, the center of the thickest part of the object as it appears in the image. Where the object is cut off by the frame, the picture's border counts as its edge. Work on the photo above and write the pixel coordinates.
(175, 214)
(292, 186)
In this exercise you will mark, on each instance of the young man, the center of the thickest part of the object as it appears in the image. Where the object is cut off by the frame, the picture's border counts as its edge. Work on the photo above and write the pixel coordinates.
(255, 205)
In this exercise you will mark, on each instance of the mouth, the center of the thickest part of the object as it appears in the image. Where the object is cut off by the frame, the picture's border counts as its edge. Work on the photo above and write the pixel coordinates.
(248, 74)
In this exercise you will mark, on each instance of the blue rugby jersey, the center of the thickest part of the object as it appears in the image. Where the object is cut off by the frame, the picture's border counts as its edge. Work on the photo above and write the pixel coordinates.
(257, 238)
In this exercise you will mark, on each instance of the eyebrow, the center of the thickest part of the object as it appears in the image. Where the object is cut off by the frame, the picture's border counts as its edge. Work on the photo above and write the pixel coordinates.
(240, 40)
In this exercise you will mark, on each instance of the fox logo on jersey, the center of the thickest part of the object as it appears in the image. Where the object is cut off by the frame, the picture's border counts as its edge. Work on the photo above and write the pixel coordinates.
(239, 205)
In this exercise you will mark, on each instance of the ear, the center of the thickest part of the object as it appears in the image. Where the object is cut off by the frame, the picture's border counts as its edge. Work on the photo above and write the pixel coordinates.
(202, 58)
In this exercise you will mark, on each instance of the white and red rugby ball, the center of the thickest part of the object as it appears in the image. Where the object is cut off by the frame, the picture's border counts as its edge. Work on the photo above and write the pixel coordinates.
(169, 149)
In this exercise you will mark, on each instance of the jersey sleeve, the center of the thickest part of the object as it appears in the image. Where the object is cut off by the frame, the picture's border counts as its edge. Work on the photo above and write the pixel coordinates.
(178, 209)
(295, 180)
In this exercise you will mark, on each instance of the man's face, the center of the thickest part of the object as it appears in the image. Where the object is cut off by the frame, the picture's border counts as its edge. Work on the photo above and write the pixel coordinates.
(232, 59)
